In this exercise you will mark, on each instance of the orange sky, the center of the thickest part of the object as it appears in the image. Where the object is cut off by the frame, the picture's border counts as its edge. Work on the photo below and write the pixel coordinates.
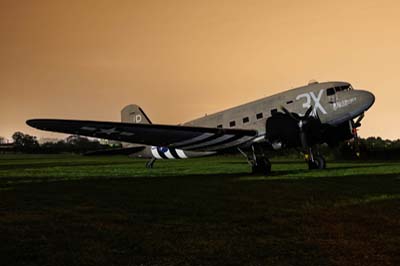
(182, 59)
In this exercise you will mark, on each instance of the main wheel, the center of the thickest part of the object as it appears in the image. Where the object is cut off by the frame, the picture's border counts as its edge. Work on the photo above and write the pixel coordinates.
(318, 163)
(150, 164)
(262, 166)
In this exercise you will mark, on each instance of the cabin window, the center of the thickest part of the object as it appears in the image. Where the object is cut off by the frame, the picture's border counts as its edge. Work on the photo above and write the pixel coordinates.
(330, 91)
(274, 111)
(289, 102)
(219, 126)
(259, 115)
(246, 120)
(232, 123)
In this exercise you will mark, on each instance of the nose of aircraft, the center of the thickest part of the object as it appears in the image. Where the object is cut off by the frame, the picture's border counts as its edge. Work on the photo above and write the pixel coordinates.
(367, 99)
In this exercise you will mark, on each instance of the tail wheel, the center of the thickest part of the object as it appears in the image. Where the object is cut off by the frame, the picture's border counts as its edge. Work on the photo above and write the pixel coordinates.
(318, 163)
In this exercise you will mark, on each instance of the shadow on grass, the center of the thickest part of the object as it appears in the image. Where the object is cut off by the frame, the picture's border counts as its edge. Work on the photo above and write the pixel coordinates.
(7, 181)
(242, 176)
(278, 173)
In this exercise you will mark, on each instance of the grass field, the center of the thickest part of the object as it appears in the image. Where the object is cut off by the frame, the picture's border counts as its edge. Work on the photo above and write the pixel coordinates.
(72, 210)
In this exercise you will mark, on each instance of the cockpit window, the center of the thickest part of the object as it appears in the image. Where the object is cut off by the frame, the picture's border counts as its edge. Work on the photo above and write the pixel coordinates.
(343, 88)
(330, 91)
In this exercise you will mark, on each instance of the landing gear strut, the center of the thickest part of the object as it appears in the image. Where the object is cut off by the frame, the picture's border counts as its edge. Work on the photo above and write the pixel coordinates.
(150, 164)
(261, 166)
(258, 161)
(315, 161)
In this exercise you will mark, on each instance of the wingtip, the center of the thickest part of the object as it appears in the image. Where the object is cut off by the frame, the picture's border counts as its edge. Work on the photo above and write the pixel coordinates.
(33, 122)
(30, 122)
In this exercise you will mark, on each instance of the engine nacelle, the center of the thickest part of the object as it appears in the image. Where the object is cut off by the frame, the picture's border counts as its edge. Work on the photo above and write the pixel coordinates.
(280, 128)
(284, 129)
(342, 132)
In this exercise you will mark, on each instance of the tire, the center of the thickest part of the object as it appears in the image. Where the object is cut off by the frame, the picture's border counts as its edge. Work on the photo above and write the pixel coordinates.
(262, 166)
(318, 163)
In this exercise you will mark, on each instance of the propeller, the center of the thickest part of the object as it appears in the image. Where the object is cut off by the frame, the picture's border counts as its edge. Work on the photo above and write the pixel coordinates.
(357, 124)
(356, 140)
(303, 121)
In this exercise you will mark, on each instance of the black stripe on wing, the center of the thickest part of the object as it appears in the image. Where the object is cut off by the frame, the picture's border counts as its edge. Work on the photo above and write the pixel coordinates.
(193, 143)
(221, 143)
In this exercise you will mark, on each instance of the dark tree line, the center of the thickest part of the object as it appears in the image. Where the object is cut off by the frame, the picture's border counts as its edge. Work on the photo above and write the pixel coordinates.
(373, 148)
(25, 143)
(378, 148)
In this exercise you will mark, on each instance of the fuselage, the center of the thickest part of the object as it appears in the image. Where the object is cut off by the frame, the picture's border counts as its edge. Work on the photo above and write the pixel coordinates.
(333, 102)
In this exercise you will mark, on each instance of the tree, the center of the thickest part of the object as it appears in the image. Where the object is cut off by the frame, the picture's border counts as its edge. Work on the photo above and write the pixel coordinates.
(24, 142)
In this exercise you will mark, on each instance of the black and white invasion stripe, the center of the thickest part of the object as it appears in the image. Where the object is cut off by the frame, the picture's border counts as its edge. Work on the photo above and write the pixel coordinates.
(208, 141)
(167, 153)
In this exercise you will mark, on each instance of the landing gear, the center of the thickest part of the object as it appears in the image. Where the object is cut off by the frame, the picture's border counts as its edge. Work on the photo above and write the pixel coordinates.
(315, 161)
(260, 165)
(318, 163)
(150, 164)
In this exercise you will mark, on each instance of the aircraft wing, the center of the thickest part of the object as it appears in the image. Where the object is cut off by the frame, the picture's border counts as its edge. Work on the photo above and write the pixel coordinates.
(182, 137)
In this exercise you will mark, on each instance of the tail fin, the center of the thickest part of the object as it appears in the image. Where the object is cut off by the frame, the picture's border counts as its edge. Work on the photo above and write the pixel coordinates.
(134, 114)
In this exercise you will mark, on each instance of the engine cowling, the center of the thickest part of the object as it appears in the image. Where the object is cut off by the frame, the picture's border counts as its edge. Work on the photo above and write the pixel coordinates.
(334, 135)
(292, 130)
(282, 129)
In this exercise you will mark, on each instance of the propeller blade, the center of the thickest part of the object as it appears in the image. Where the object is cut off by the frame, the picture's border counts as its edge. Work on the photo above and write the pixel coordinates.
(356, 139)
(317, 116)
(308, 112)
(361, 117)
(303, 139)
(286, 111)
(358, 122)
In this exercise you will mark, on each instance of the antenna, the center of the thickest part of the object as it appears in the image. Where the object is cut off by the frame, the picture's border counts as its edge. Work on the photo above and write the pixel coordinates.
(312, 81)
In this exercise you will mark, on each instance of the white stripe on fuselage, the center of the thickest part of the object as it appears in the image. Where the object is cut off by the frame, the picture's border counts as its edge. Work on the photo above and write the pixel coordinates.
(181, 154)
(155, 152)
(169, 155)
